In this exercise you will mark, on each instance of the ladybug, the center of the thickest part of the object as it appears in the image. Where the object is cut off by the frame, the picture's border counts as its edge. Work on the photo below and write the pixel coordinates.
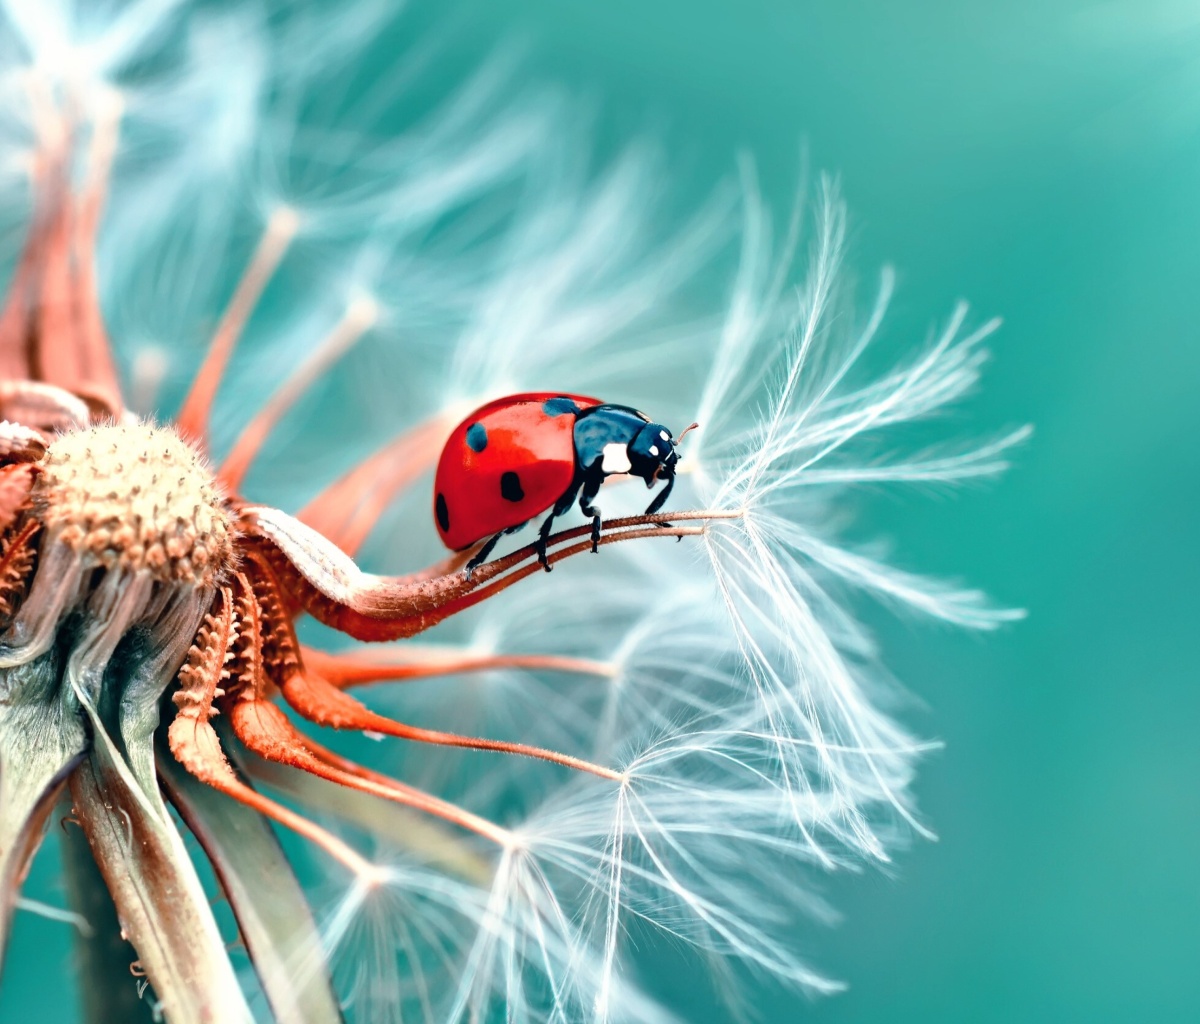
(516, 457)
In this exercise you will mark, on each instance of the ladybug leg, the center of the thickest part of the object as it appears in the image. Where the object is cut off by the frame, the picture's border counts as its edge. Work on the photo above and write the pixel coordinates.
(482, 555)
(560, 506)
(591, 488)
(543, 539)
(660, 499)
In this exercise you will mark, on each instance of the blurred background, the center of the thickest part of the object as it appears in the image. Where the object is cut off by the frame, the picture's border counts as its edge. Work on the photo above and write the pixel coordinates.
(1042, 160)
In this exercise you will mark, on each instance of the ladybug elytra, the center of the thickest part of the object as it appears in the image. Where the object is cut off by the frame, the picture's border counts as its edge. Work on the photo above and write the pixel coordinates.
(516, 457)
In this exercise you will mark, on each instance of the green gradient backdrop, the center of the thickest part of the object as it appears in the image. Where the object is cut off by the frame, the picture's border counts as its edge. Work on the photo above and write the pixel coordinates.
(1041, 159)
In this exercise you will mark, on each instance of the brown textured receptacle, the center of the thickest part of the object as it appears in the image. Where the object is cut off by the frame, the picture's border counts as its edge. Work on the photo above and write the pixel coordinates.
(138, 497)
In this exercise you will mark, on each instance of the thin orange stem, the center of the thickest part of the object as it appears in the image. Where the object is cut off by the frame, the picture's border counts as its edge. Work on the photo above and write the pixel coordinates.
(483, 593)
(347, 510)
(613, 530)
(324, 704)
(299, 824)
(410, 796)
(196, 746)
(53, 310)
(358, 318)
(193, 417)
(265, 730)
(97, 371)
(17, 355)
(421, 662)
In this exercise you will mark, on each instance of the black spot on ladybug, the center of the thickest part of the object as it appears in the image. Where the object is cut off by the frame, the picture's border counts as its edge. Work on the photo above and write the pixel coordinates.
(559, 406)
(477, 438)
(443, 513)
(510, 487)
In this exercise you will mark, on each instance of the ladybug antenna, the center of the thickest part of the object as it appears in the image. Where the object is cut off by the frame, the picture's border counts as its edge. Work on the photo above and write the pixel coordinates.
(679, 440)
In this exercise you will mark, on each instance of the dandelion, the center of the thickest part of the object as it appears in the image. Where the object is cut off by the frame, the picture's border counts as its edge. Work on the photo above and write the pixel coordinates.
(670, 739)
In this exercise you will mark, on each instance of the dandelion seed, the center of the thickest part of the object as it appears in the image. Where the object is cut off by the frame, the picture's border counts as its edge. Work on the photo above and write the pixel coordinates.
(644, 742)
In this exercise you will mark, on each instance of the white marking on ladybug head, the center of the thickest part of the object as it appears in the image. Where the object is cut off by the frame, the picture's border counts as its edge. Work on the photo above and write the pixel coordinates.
(654, 449)
(616, 459)
(664, 435)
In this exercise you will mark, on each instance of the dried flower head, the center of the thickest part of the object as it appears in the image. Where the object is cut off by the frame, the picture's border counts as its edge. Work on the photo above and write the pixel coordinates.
(666, 737)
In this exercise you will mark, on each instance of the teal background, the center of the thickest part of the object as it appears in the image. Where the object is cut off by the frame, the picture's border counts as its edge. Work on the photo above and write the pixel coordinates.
(1041, 159)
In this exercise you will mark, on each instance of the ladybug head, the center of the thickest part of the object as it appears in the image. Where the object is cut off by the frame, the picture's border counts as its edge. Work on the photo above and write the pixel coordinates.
(652, 454)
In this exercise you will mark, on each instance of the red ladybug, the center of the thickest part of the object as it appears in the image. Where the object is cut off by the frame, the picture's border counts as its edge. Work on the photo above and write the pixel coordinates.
(517, 456)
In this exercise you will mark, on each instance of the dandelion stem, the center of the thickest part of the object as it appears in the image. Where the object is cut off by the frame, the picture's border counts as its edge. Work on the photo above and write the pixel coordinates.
(265, 731)
(193, 417)
(358, 318)
(95, 374)
(299, 824)
(341, 770)
(575, 549)
(414, 662)
(347, 510)
(17, 358)
(626, 528)
(322, 703)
